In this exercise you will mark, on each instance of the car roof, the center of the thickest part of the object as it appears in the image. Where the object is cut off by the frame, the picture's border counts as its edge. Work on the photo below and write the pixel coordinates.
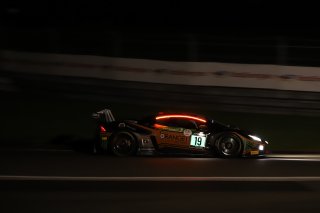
(196, 117)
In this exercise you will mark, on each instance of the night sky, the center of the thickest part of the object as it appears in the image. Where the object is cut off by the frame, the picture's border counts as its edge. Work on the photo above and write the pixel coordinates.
(194, 16)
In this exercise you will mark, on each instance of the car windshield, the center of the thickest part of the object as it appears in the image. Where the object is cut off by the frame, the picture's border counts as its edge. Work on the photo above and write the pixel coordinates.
(220, 125)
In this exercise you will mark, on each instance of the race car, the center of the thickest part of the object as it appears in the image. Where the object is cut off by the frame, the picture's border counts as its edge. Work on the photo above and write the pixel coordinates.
(173, 133)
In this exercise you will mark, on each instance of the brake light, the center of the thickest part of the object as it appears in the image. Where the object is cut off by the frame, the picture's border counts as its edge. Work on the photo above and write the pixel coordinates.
(102, 129)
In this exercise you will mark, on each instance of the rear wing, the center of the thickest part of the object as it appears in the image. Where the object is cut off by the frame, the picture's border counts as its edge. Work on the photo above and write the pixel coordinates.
(104, 116)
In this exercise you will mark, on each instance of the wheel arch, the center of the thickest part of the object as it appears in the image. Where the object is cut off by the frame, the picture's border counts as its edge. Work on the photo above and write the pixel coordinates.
(123, 131)
(236, 135)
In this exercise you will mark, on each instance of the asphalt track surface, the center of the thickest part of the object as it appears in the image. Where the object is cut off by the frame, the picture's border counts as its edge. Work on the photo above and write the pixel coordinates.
(70, 181)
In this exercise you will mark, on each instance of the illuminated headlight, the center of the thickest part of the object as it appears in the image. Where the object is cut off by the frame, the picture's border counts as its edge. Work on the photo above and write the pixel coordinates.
(261, 147)
(255, 138)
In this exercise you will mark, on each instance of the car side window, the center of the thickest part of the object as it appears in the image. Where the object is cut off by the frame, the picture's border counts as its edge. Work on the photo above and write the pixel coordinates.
(165, 122)
(178, 122)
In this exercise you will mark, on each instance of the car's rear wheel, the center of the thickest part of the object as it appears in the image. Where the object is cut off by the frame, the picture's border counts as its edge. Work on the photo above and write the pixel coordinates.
(229, 145)
(124, 144)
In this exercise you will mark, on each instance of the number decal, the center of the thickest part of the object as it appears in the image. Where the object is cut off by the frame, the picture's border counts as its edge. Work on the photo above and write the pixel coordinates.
(198, 141)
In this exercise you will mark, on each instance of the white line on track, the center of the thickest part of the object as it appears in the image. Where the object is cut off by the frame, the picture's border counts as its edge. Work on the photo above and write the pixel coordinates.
(302, 156)
(160, 179)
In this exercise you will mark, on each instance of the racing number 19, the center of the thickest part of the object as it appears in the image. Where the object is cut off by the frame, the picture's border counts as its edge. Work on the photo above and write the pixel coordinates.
(197, 141)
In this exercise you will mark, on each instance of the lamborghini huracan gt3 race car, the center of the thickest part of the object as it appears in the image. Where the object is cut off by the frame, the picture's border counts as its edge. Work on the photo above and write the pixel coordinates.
(175, 134)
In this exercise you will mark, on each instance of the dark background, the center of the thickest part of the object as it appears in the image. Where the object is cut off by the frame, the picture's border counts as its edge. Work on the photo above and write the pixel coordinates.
(258, 32)
(46, 126)
(187, 16)
(228, 31)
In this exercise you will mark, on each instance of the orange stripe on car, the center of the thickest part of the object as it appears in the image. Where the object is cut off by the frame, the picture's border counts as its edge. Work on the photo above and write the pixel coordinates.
(181, 116)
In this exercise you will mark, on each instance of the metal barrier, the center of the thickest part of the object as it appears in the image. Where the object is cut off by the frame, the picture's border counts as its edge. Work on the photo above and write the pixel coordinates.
(166, 95)
(177, 47)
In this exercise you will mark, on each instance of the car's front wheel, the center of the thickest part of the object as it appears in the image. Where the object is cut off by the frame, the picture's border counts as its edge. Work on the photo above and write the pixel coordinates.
(124, 144)
(229, 145)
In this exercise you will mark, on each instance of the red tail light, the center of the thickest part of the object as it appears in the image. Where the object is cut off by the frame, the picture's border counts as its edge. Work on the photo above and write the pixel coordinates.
(102, 129)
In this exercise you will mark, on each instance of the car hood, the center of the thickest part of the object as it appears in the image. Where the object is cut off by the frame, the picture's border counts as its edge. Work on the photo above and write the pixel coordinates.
(220, 127)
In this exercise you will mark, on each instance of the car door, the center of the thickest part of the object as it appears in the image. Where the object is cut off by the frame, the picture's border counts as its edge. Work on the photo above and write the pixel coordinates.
(198, 138)
(174, 133)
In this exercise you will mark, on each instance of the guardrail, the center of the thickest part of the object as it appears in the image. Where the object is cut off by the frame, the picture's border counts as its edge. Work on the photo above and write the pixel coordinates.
(295, 78)
(176, 96)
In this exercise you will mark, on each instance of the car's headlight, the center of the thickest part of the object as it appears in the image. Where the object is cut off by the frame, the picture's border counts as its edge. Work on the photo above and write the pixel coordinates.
(261, 147)
(255, 138)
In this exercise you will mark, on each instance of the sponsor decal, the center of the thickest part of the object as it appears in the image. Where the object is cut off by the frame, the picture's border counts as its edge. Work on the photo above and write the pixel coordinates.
(254, 152)
(174, 129)
(168, 137)
(187, 132)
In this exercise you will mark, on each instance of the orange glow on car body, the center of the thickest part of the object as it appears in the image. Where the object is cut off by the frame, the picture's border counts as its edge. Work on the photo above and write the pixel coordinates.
(181, 116)
(159, 126)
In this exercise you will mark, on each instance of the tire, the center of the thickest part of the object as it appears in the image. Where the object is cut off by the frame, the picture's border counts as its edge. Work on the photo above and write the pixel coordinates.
(124, 144)
(229, 145)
